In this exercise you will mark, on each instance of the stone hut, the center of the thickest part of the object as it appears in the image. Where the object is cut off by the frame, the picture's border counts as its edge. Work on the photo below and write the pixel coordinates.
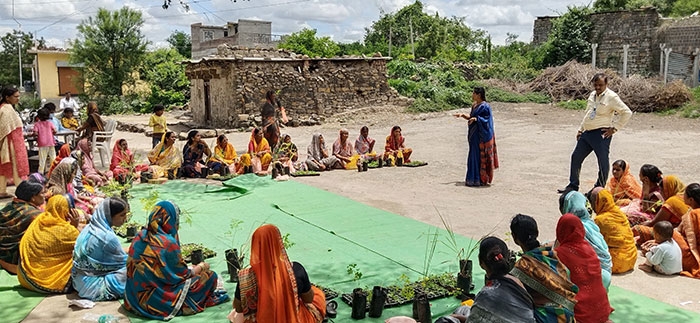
(228, 89)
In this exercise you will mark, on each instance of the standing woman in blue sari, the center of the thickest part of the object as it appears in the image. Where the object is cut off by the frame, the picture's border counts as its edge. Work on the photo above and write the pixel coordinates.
(483, 157)
(99, 261)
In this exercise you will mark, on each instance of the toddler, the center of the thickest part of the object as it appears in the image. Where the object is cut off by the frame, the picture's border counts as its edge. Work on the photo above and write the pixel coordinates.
(663, 254)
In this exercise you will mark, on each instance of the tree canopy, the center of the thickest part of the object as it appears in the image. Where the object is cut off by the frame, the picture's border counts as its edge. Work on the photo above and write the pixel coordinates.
(9, 68)
(182, 42)
(568, 39)
(669, 8)
(305, 42)
(111, 47)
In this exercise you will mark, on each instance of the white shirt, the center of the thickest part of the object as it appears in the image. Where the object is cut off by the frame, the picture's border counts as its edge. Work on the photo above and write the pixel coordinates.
(666, 258)
(601, 110)
(68, 104)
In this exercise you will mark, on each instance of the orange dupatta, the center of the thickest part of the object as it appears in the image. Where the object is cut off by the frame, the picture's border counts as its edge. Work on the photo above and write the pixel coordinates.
(62, 153)
(626, 188)
(686, 236)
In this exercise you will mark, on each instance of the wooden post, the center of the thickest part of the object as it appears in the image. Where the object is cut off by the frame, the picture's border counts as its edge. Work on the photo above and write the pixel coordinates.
(389, 39)
(594, 48)
(625, 49)
(410, 26)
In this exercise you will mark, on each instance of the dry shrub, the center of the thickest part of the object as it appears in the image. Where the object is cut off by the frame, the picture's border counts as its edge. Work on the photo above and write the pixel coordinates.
(572, 81)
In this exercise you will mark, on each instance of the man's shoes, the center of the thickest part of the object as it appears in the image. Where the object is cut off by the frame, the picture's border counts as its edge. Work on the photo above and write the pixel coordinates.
(566, 190)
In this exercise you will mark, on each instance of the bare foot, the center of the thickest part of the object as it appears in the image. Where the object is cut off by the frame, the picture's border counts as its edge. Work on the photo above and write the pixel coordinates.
(645, 268)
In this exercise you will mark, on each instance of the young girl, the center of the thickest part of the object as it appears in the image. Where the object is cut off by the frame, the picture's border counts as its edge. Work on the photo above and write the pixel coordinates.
(44, 131)
(623, 186)
(644, 209)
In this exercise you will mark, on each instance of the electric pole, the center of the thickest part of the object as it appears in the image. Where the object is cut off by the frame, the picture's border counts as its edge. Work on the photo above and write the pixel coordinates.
(19, 46)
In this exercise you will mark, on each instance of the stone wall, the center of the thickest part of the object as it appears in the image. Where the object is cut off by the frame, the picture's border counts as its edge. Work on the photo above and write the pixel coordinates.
(309, 88)
(612, 30)
(681, 35)
(541, 30)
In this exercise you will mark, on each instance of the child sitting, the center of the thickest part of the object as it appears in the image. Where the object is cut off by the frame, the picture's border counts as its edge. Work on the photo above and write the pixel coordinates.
(663, 254)
(69, 121)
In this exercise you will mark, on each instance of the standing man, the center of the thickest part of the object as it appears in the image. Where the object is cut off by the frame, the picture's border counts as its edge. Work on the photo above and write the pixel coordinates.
(68, 102)
(596, 131)
(271, 127)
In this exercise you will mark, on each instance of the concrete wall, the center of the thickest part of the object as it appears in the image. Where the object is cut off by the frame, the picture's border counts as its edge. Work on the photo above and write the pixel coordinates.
(321, 87)
(47, 72)
(249, 33)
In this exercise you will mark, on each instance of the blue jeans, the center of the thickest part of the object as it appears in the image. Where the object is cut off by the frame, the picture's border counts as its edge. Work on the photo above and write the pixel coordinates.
(590, 141)
(156, 139)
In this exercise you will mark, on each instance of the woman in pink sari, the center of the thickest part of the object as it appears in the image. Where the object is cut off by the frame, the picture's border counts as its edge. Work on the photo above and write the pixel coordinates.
(122, 164)
(13, 153)
(95, 176)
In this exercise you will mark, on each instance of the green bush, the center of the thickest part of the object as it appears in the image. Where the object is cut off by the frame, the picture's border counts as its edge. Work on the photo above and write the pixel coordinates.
(28, 101)
(692, 108)
(573, 104)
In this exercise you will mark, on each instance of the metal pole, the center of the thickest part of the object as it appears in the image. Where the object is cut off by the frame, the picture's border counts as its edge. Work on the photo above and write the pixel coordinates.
(19, 45)
(667, 51)
(625, 49)
(594, 48)
(661, 60)
(696, 68)
(390, 39)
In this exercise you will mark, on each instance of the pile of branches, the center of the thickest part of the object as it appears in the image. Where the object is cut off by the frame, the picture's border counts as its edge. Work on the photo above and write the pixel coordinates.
(572, 81)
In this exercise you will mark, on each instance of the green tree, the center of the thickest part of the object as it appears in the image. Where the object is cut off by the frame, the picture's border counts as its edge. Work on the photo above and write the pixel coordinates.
(9, 63)
(354, 48)
(162, 70)
(568, 39)
(665, 7)
(682, 8)
(182, 42)
(305, 42)
(111, 47)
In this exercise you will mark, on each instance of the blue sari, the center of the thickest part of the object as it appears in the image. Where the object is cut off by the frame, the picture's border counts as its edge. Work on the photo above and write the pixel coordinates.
(159, 283)
(577, 204)
(482, 158)
(99, 262)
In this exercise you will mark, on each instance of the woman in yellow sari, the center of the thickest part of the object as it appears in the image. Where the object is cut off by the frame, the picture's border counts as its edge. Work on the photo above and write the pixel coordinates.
(259, 156)
(672, 210)
(224, 160)
(46, 249)
(165, 158)
(616, 230)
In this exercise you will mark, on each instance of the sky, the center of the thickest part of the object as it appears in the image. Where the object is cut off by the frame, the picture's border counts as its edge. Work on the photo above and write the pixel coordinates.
(342, 20)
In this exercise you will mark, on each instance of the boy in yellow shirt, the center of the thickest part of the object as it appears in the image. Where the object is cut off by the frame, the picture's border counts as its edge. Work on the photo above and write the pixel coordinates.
(69, 121)
(158, 123)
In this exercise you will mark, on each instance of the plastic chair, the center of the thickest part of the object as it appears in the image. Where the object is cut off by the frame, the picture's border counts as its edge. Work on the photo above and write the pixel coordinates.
(102, 141)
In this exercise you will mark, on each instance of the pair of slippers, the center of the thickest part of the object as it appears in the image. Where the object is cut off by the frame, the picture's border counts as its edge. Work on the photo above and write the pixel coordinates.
(331, 311)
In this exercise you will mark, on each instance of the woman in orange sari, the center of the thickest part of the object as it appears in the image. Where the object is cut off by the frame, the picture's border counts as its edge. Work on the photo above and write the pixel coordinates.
(259, 155)
(394, 147)
(672, 210)
(62, 153)
(122, 163)
(687, 233)
(623, 185)
(273, 289)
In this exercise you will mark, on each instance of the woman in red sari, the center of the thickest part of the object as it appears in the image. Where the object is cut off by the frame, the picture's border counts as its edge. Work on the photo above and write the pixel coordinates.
(394, 147)
(122, 163)
(273, 289)
(13, 154)
(578, 256)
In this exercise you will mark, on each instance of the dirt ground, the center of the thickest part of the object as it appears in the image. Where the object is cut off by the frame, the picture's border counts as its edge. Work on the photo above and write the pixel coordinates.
(534, 145)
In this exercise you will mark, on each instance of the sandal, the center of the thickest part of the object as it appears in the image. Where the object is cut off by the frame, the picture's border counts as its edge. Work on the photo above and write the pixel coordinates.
(332, 309)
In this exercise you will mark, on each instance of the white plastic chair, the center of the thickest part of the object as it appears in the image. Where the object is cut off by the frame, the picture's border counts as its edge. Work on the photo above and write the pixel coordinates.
(102, 141)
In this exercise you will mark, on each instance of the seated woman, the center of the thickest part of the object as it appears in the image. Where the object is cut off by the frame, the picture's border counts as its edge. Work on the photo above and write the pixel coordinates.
(273, 289)
(287, 154)
(15, 218)
(93, 122)
(159, 285)
(259, 155)
(123, 165)
(342, 149)
(224, 160)
(672, 209)
(165, 158)
(688, 232)
(623, 186)
(63, 152)
(576, 204)
(645, 209)
(61, 182)
(576, 254)
(616, 230)
(99, 261)
(318, 158)
(364, 145)
(544, 276)
(94, 176)
(46, 249)
(394, 147)
(503, 298)
(193, 155)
